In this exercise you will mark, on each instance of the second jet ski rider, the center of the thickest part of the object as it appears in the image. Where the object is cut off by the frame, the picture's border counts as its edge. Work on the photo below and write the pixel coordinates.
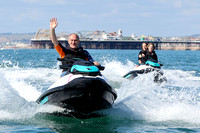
(142, 54)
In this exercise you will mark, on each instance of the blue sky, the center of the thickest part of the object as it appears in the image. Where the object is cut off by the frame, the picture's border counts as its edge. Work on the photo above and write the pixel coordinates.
(148, 17)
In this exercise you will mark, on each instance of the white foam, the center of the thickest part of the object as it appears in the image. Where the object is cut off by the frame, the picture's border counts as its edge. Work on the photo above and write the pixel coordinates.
(141, 98)
(178, 99)
(29, 82)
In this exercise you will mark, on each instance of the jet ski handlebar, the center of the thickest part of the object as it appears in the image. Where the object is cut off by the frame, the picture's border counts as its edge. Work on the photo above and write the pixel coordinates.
(101, 68)
(71, 61)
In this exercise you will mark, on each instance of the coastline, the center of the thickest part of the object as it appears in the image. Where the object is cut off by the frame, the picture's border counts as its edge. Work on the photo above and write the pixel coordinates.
(28, 41)
(166, 46)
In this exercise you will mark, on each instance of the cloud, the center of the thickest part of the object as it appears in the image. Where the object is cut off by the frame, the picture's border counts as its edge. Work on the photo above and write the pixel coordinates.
(188, 7)
(47, 2)
(28, 15)
(92, 15)
(178, 4)
(191, 12)
(31, 1)
(60, 2)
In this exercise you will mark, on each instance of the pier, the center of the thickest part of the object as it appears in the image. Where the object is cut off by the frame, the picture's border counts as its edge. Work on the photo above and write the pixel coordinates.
(121, 44)
(103, 40)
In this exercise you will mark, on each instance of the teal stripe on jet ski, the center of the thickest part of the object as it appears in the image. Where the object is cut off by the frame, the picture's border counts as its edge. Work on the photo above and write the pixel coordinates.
(128, 76)
(84, 68)
(44, 100)
(153, 63)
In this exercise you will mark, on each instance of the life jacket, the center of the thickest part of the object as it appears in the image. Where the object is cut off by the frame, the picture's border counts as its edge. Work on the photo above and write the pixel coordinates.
(151, 55)
(72, 53)
(75, 53)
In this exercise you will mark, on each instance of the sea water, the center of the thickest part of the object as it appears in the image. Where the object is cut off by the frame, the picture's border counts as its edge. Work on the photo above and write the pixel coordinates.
(141, 106)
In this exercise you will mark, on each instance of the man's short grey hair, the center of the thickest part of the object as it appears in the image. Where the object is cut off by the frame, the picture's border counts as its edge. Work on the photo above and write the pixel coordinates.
(74, 34)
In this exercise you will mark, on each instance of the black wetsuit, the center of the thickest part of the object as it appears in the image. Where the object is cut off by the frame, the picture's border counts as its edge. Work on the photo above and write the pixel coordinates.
(141, 58)
(151, 55)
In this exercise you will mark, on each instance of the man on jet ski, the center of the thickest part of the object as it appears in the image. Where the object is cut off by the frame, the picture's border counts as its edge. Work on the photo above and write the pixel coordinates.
(72, 50)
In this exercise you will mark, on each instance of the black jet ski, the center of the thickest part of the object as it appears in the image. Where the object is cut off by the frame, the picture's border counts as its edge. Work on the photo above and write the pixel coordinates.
(149, 66)
(80, 90)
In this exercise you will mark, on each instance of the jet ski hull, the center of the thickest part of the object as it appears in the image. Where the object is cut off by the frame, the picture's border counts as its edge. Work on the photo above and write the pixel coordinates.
(143, 69)
(81, 96)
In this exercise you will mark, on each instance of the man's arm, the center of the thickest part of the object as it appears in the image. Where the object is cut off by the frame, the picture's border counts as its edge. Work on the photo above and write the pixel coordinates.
(140, 57)
(53, 24)
(89, 57)
(59, 48)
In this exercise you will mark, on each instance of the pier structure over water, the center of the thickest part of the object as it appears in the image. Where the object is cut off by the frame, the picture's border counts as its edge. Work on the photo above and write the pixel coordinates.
(103, 40)
(120, 44)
